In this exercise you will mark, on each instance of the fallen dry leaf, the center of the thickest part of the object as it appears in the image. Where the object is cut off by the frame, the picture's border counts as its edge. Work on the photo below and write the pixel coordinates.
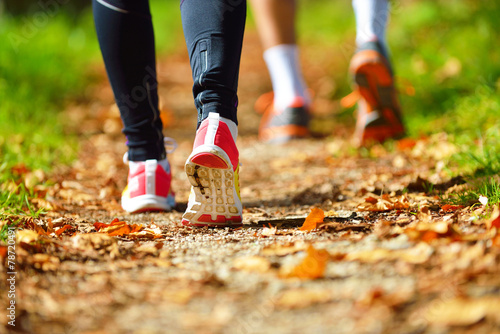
(384, 203)
(117, 228)
(44, 262)
(159, 262)
(284, 249)
(269, 231)
(415, 255)
(429, 231)
(494, 221)
(462, 311)
(406, 144)
(314, 218)
(312, 267)
(451, 208)
(252, 263)
(150, 247)
(26, 236)
(181, 297)
(3, 252)
(150, 232)
(63, 229)
(300, 298)
(101, 242)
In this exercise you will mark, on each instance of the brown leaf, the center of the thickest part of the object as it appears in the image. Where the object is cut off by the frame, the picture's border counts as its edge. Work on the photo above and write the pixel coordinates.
(314, 218)
(282, 250)
(429, 231)
(300, 298)
(26, 236)
(63, 229)
(461, 311)
(252, 263)
(269, 231)
(3, 252)
(494, 221)
(313, 266)
(451, 208)
(117, 230)
(384, 203)
(96, 241)
(45, 262)
(416, 255)
(121, 228)
(20, 169)
(406, 144)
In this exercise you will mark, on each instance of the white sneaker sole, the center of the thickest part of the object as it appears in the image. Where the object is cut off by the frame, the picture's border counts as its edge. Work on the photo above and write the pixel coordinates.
(213, 201)
(148, 203)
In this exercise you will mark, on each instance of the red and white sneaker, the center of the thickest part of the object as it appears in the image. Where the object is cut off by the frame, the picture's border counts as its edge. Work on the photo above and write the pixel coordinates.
(148, 187)
(212, 169)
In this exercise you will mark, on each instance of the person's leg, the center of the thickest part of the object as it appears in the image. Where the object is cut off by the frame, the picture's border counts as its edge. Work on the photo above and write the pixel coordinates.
(379, 115)
(276, 25)
(371, 21)
(214, 34)
(125, 33)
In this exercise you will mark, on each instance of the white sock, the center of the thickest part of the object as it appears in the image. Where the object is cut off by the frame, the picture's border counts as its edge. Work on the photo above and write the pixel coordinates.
(371, 20)
(284, 68)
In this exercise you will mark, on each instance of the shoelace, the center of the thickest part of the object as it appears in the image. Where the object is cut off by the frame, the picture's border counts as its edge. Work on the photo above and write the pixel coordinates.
(170, 146)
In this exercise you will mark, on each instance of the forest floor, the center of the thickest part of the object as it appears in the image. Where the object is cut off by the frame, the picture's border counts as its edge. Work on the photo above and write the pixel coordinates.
(388, 257)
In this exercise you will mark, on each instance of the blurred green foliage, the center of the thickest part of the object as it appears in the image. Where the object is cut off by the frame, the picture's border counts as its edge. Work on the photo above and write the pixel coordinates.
(447, 66)
(47, 57)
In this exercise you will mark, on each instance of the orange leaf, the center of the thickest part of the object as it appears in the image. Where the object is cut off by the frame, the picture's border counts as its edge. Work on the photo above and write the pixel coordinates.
(119, 230)
(406, 143)
(3, 252)
(451, 208)
(496, 240)
(19, 169)
(313, 266)
(38, 229)
(98, 226)
(116, 221)
(313, 219)
(428, 236)
(135, 228)
(495, 219)
(371, 200)
(62, 229)
(50, 226)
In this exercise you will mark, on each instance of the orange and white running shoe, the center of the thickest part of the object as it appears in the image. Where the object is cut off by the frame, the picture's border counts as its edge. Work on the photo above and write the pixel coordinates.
(148, 187)
(212, 169)
(280, 126)
(379, 113)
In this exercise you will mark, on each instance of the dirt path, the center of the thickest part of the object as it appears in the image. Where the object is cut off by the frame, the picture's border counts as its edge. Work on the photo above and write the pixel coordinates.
(398, 264)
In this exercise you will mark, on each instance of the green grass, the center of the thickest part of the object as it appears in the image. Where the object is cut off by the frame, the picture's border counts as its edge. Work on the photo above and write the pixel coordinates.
(42, 69)
(489, 188)
(445, 51)
(38, 76)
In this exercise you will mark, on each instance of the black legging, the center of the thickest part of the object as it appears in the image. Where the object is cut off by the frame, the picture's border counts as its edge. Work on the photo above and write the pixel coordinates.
(213, 30)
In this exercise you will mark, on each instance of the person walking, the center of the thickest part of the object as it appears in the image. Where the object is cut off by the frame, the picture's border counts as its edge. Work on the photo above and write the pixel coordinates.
(213, 31)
